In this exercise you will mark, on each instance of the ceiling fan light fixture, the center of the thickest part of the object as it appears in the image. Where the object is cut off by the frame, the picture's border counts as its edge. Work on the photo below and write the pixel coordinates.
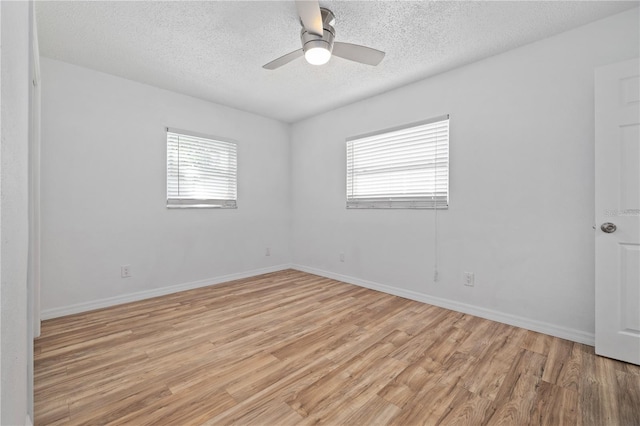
(318, 55)
(317, 37)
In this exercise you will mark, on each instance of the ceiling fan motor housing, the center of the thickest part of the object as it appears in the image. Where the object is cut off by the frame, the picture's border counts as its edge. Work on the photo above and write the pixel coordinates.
(325, 41)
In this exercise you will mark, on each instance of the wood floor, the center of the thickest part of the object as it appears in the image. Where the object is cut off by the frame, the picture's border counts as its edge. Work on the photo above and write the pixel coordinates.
(292, 348)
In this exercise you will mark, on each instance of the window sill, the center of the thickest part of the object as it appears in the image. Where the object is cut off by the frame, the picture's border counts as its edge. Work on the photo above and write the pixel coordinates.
(199, 206)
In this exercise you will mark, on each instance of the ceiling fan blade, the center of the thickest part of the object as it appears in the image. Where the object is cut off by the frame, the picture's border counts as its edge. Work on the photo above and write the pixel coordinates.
(357, 53)
(283, 60)
(309, 13)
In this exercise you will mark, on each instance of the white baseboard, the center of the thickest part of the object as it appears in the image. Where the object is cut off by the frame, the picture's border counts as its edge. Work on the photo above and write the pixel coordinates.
(147, 294)
(530, 324)
(522, 322)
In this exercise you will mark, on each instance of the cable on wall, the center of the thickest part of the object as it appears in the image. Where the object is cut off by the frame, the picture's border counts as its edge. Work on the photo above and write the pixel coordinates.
(435, 215)
(440, 195)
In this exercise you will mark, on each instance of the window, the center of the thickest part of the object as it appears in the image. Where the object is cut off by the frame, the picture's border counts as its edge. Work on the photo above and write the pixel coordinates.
(201, 171)
(405, 167)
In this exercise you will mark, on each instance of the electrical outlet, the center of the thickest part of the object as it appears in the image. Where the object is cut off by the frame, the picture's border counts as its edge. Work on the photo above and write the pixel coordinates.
(341, 257)
(267, 251)
(125, 271)
(468, 278)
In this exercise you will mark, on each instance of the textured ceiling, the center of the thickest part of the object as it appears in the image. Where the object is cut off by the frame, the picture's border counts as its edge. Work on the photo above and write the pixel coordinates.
(215, 50)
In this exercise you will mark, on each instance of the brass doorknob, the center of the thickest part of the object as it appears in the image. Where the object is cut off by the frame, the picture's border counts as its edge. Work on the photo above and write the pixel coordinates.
(608, 227)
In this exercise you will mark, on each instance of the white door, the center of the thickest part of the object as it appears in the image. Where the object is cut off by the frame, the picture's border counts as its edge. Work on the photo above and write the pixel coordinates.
(617, 196)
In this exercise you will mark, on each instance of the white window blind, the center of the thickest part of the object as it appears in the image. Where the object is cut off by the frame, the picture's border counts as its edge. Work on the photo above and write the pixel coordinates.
(404, 167)
(201, 171)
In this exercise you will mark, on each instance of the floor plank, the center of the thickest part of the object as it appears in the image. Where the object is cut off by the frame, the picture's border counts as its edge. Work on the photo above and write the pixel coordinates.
(293, 348)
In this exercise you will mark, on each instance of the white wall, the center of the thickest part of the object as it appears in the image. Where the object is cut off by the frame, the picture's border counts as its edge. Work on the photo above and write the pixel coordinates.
(104, 191)
(14, 133)
(520, 217)
(522, 185)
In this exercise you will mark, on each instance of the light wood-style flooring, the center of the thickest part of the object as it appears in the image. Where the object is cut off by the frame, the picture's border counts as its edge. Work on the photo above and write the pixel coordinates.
(293, 348)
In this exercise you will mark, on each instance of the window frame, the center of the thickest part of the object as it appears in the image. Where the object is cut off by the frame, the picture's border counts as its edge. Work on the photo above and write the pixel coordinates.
(198, 203)
(400, 202)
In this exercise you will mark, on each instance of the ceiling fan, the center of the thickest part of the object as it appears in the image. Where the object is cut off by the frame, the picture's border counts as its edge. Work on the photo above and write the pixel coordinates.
(317, 40)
